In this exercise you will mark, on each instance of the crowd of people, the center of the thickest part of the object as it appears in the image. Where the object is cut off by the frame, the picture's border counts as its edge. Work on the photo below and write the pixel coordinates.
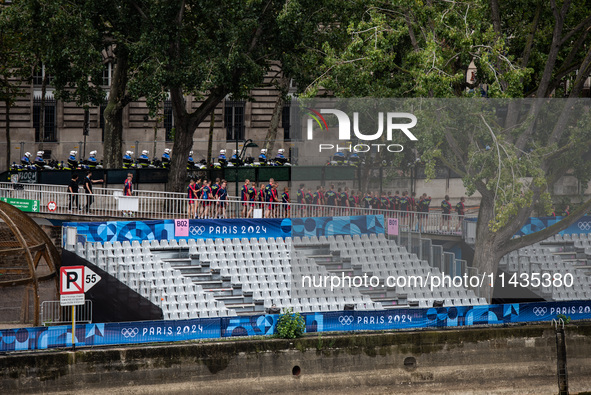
(208, 199)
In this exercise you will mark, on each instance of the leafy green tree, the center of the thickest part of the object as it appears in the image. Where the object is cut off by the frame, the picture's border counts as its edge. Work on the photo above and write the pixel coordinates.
(74, 40)
(215, 50)
(15, 67)
(521, 49)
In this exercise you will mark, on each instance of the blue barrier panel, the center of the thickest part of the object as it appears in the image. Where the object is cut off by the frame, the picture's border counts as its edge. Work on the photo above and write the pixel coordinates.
(338, 321)
(332, 226)
(112, 231)
(534, 224)
(108, 334)
(197, 229)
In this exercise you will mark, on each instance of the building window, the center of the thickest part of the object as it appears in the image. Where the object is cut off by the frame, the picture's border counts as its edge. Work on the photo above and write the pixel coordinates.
(102, 120)
(39, 74)
(234, 120)
(168, 120)
(49, 127)
(107, 74)
(286, 122)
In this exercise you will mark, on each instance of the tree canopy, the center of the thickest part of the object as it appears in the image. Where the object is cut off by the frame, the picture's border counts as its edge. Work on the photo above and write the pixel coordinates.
(512, 152)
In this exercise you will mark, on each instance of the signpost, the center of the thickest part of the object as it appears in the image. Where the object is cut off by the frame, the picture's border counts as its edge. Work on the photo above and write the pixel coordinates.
(74, 282)
(31, 206)
(393, 226)
(181, 227)
(51, 206)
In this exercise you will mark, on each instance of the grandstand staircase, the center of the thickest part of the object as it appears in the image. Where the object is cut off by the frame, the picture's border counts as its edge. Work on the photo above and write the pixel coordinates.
(337, 265)
(210, 280)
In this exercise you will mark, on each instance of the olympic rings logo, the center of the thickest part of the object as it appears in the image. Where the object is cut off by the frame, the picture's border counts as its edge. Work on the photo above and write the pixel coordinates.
(539, 311)
(129, 332)
(346, 319)
(584, 225)
(197, 230)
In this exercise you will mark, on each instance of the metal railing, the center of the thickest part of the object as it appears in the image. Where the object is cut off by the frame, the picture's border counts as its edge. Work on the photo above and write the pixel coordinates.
(109, 202)
(52, 313)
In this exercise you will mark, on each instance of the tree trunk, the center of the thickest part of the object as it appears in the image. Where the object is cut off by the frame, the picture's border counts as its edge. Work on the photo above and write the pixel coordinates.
(8, 142)
(42, 112)
(118, 99)
(185, 125)
(113, 135)
(210, 141)
(274, 124)
(486, 259)
(495, 16)
(183, 142)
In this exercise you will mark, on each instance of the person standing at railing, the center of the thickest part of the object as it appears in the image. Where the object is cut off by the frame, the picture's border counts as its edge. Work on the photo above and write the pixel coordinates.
(344, 197)
(404, 206)
(384, 202)
(267, 195)
(367, 200)
(423, 206)
(88, 181)
(214, 196)
(254, 196)
(412, 208)
(322, 200)
(285, 200)
(128, 190)
(390, 201)
(274, 198)
(331, 199)
(317, 200)
(446, 208)
(309, 199)
(192, 196)
(73, 190)
(352, 199)
(206, 197)
(198, 193)
(375, 203)
(244, 197)
(461, 210)
(397, 200)
(300, 198)
(222, 198)
(316, 196)
(566, 211)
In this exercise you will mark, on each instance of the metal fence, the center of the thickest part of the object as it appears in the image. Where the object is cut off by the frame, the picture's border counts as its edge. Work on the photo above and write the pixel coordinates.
(52, 313)
(109, 203)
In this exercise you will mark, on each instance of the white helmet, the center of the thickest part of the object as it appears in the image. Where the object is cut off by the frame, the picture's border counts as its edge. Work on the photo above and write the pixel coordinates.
(263, 151)
(92, 153)
(28, 154)
(40, 153)
(129, 153)
(167, 150)
(73, 153)
(190, 153)
(222, 152)
(280, 151)
(235, 152)
(145, 152)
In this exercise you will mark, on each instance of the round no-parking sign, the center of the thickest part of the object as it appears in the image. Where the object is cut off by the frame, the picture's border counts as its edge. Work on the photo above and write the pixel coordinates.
(51, 206)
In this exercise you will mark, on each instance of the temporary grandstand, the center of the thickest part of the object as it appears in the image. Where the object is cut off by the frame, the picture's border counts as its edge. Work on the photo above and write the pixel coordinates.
(199, 278)
(564, 258)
